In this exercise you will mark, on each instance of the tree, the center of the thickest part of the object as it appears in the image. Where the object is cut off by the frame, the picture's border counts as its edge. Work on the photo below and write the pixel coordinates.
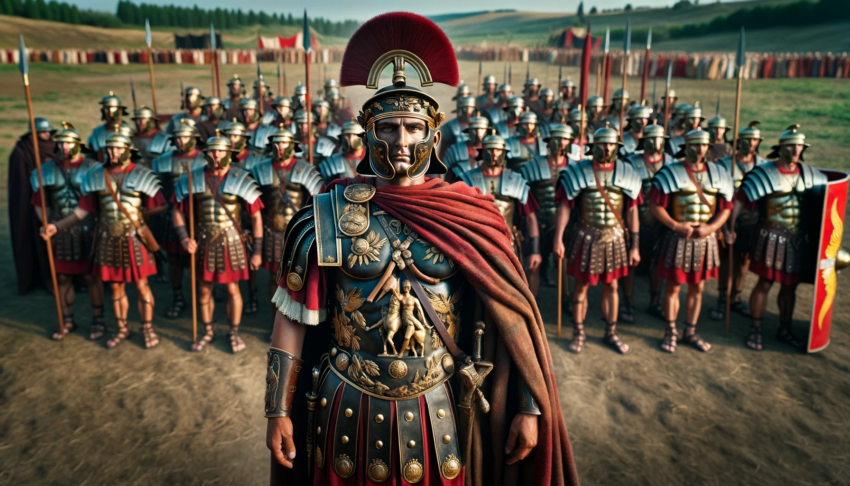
(580, 11)
(629, 7)
(593, 10)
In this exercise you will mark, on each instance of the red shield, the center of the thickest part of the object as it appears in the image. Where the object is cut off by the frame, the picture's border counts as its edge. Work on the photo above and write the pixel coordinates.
(832, 229)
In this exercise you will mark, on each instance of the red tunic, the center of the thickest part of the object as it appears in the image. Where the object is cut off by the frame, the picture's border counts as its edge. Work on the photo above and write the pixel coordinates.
(135, 272)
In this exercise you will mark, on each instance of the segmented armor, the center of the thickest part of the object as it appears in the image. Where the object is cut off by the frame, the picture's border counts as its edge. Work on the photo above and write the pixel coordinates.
(541, 178)
(335, 167)
(169, 167)
(509, 189)
(97, 139)
(748, 218)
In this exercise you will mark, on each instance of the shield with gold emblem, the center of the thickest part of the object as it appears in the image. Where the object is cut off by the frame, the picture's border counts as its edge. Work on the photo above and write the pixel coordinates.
(829, 247)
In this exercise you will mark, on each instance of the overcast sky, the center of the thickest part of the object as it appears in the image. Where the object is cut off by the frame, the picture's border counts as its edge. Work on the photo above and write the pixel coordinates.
(360, 10)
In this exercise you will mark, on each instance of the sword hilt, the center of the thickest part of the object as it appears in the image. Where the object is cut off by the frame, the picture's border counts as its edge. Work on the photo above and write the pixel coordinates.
(476, 347)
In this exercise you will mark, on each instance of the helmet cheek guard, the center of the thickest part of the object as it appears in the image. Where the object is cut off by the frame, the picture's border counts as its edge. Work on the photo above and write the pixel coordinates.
(422, 153)
(379, 158)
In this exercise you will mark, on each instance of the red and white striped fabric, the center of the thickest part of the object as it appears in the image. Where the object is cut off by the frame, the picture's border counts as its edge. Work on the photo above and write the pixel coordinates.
(278, 42)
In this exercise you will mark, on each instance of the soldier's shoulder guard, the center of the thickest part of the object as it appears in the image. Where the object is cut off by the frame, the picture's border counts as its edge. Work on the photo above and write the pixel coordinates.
(325, 147)
(261, 171)
(515, 149)
(574, 178)
(474, 178)
(240, 183)
(160, 144)
(636, 161)
(721, 180)
(144, 180)
(332, 167)
(93, 180)
(671, 178)
(627, 179)
(536, 170)
(502, 129)
(543, 129)
(763, 180)
(514, 185)
(164, 163)
(48, 175)
(253, 159)
(455, 154)
(328, 242)
(308, 176)
(725, 163)
(333, 131)
(760, 160)
(268, 117)
(495, 115)
(812, 178)
(260, 137)
(299, 240)
(181, 187)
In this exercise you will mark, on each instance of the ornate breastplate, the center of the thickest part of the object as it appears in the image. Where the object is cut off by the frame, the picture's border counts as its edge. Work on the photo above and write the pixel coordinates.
(783, 207)
(65, 193)
(281, 205)
(594, 209)
(505, 205)
(388, 348)
(210, 215)
(687, 207)
(131, 201)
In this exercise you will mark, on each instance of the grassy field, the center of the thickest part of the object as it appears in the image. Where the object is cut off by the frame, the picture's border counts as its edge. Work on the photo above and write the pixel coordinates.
(80, 414)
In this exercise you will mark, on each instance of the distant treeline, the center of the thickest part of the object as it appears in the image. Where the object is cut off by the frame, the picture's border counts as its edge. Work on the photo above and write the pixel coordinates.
(130, 14)
(803, 12)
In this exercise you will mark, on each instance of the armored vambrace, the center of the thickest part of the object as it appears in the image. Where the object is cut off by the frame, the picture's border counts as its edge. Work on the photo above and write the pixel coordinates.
(535, 245)
(282, 375)
(258, 249)
(181, 233)
(634, 240)
(527, 404)
(67, 222)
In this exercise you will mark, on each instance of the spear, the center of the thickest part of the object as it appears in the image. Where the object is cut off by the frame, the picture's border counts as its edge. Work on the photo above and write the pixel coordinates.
(510, 74)
(646, 67)
(560, 75)
(133, 92)
(192, 276)
(285, 91)
(480, 79)
(306, 44)
(606, 65)
(505, 74)
(667, 94)
(214, 48)
(740, 60)
(717, 108)
(260, 91)
(23, 65)
(279, 81)
(655, 93)
(182, 96)
(149, 41)
(627, 49)
(527, 72)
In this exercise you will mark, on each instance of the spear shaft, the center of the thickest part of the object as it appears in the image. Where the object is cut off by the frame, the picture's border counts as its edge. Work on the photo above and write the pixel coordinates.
(740, 61)
(192, 277)
(148, 41)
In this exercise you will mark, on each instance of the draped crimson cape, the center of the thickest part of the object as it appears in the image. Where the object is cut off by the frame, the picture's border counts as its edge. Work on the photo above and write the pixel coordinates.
(468, 228)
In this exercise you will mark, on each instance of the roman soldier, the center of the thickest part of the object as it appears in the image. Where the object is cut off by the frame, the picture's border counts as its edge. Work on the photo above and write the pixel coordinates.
(147, 127)
(342, 164)
(235, 92)
(325, 127)
(122, 194)
(688, 118)
(299, 98)
(504, 120)
(71, 246)
(528, 142)
(568, 92)
(239, 143)
(658, 110)
(330, 84)
(605, 191)
(505, 94)
(693, 199)
(401, 266)
(453, 131)
(211, 118)
(340, 113)
(619, 99)
(545, 106)
(638, 118)
(783, 191)
(530, 92)
(262, 92)
(489, 98)
(220, 191)
(169, 167)
(717, 132)
(192, 105)
(111, 111)
(323, 147)
(542, 173)
(746, 222)
(283, 106)
(249, 114)
(579, 125)
(596, 113)
(646, 162)
(463, 156)
(511, 193)
(32, 267)
(286, 184)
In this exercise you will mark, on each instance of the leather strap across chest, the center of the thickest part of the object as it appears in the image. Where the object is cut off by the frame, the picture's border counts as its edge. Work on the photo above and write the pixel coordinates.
(610, 205)
(700, 194)
(458, 355)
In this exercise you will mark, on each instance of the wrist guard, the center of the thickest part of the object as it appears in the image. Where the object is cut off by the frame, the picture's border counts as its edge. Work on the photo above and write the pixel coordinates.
(535, 245)
(258, 246)
(634, 240)
(281, 376)
(181, 232)
(67, 222)
(526, 400)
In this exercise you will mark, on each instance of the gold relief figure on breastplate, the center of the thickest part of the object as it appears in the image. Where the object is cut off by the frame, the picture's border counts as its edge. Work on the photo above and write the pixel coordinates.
(358, 193)
(348, 303)
(414, 327)
(354, 220)
(390, 321)
(445, 307)
(365, 250)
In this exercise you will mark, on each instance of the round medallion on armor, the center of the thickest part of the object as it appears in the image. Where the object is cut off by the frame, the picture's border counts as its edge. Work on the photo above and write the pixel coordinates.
(342, 361)
(451, 467)
(359, 246)
(378, 471)
(354, 222)
(448, 363)
(294, 281)
(398, 369)
(358, 193)
(344, 466)
(412, 471)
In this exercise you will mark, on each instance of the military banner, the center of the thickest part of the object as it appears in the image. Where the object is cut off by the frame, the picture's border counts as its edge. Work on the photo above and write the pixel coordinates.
(829, 244)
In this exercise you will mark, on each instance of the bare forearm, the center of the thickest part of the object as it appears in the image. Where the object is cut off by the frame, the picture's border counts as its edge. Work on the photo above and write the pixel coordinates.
(156, 210)
(177, 218)
(719, 219)
(288, 335)
(257, 225)
(633, 219)
(562, 217)
(531, 224)
(660, 213)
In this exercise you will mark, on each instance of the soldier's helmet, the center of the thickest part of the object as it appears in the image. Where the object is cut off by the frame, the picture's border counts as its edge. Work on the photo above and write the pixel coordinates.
(654, 131)
(261, 81)
(639, 111)
(595, 102)
(606, 134)
(113, 103)
(548, 96)
(192, 98)
(235, 81)
(567, 83)
(215, 102)
(433, 61)
(476, 123)
(693, 112)
(493, 141)
(575, 114)
(300, 116)
(282, 134)
(216, 143)
(619, 94)
(333, 94)
(791, 136)
(322, 110)
(248, 104)
(515, 103)
(68, 134)
(142, 113)
(186, 128)
(527, 123)
(235, 128)
(717, 122)
(697, 136)
(212, 100)
(352, 128)
(300, 90)
(560, 130)
(532, 82)
(488, 80)
(672, 94)
(42, 125)
(750, 132)
(282, 101)
(119, 139)
(462, 92)
(505, 88)
(465, 102)
(331, 83)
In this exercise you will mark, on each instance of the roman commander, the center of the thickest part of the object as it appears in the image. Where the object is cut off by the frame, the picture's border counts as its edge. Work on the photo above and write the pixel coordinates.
(403, 312)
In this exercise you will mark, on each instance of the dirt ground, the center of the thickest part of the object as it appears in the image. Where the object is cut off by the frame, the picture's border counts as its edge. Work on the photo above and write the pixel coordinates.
(80, 414)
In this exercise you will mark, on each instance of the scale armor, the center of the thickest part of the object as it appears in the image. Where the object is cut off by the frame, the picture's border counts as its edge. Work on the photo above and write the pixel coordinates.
(747, 220)
(284, 192)
(215, 232)
(115, 238)
(169, 171)
(62, 188)
(541, 179)
(335, 167)
(97, 139)
(509, 189)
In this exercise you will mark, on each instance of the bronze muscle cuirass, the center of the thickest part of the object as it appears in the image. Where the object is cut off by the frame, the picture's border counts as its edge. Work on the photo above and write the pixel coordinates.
(131, 201)
(594, 209)
(687, 207)
(280, 206)
(505, 205)
(217, 234)
(783, 207)
(115, 232)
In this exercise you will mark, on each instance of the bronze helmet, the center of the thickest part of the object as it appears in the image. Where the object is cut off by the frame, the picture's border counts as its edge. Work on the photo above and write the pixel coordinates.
(218, 142)
(282, 134)
(493, 142)
(68, 134)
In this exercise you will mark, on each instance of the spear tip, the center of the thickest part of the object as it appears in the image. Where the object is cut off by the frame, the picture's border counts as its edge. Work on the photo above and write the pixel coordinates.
(148, 39)
(23, 62)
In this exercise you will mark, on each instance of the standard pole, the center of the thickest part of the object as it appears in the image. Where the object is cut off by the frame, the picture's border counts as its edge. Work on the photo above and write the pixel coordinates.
(729, 279)
(153, 81)
(623, 98)
(212, 73)
(44, 222)
(309, 109)
(192, 269)
(645, 75)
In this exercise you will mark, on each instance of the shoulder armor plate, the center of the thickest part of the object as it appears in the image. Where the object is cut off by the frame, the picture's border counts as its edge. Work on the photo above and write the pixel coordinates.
(144, 180)
(333, 131)
(333, 167)
(811, 177)
(253, 159)
(455, 154)
(269, 117)
(514, 148)
(262, 172)
(503, 130)
(574, 178)
(160, 143)
(163, 163)
(513, 185)
(199, 183)
(721, 180)
(671, 178)
(48, 175)
(240, 183)
(627, 179)
(325, 146)
(305, 174)
(328, 249)
(474, 178)
(536, 170)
